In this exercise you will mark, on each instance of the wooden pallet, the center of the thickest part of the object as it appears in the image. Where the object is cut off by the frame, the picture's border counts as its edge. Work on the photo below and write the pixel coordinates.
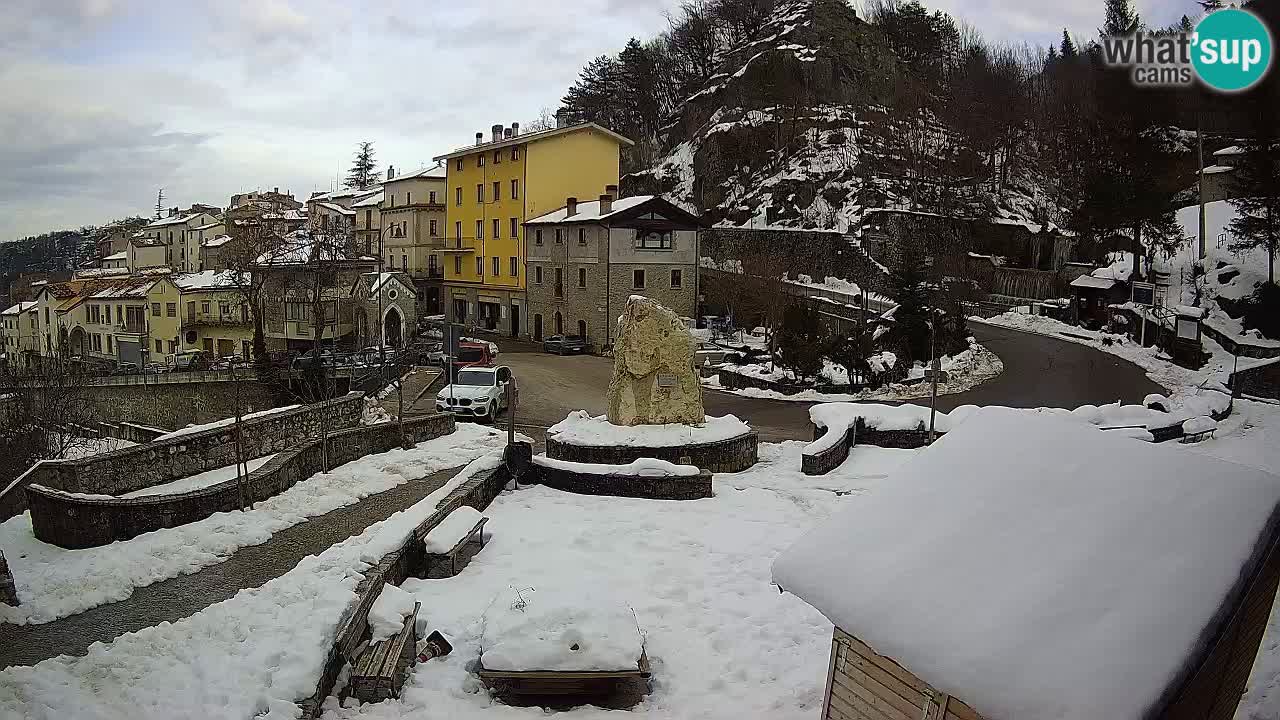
(563, 682)
(380, 671)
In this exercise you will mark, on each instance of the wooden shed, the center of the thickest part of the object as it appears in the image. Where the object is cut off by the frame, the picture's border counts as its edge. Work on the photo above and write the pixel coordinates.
(1087, 575)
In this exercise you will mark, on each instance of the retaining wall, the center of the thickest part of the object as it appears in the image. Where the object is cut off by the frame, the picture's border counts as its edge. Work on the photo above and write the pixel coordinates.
(824, 461)
(1239, 346)
(1263, 381)
(679, 487)
(155, 463)
(909, 439)
(409, 559)
(77, 521)
(8, 592)
(724, 456)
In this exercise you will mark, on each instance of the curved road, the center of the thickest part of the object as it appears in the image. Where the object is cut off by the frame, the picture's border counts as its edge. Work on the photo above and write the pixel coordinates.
(1039, 371)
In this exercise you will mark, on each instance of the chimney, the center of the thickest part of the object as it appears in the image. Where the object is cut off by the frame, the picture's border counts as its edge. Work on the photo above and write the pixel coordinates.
(276, 191)
(570, 207)
(391, 172)
(561, 120)
(497, 132)
(515, 129)
(479, 138)
(612, 191)
(606, 204)
(506, 133)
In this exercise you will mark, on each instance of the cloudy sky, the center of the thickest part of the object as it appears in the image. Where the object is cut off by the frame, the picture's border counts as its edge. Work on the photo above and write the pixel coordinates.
(103, 102)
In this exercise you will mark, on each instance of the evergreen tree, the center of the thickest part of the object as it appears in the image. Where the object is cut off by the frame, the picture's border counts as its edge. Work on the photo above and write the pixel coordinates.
(908, 285)
(1258, 225)
(364, 169)
(1120, 19)
(800, 341)
(1068, 50)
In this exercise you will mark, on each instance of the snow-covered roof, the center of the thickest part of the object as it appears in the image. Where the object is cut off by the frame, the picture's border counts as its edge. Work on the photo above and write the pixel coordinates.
(1037, 567)
(286, 215)
(1097, 283)
(375, 280)
(101, 272)
(122, 255)
(334, 207)
(207, 280)
(145, 241)
(213, 224)
(19, 308)
(125, 288)
(1215, 169)
(301, 247)
(345, 193)
(373, 200)
(534, 137)
(214, 242)
(180, 218)
(589, 211)
(435, 171)
(1227, 151)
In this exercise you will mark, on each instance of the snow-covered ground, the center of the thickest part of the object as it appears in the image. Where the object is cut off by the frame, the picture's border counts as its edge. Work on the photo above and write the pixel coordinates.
(54, 582)
(581, 428)
(254, 654)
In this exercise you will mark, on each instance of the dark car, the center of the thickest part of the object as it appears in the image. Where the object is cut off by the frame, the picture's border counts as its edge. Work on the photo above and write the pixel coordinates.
(565, 344)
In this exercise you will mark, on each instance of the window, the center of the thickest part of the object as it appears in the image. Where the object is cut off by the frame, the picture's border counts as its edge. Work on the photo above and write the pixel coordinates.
(404, 262)
(480, 266)
(515, 228)
(637, 279)
(515, 153)
(479, 229)
(173, 346)
(431, 197)
(497, 156)
(582, 329)
(497, 228)
(497, 191)
(224, 309)
(458, 165)
(391, 260)
(480, 160)
(155, 312)
(119, 314)
(537, 274)
(479, 192)
(457, 196)
(457, 231)
(457, 265)
(559, 283)
(515, 189)
(204, 307)
(582, 277)
(171, 309)
(654, 240)
(158, 348)
(582, 236)
(559, 238)
(408, 199)
(497, 266)
(393, 202)
(433, 227)
(108, 314)
(677, 279)
(515, 267)
(110, 350)
(537, 236)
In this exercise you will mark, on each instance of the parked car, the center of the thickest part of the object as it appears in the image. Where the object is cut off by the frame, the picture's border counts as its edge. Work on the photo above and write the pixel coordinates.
(126, 368)
(478, 392)
(565, 344)
(310, 357)
(189, 360)
(471, 355)
(433, 354)
(708, 352)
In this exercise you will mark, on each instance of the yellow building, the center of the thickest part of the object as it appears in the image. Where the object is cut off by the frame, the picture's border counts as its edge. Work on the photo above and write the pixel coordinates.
(213, 314)
(163, 299)
(492, 188)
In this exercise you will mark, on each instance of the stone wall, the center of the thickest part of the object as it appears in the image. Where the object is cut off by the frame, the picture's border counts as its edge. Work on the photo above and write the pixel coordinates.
(181, 404)
(726, 456)
(908, 439)
(75, 521)
(737, 381)
(155, 463)
(406, 560)
(680, 487)
(8, 593)
(824, 461)
(1263, 381)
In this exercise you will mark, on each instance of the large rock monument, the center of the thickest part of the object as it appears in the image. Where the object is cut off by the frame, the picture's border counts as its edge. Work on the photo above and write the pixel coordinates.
(654, 381)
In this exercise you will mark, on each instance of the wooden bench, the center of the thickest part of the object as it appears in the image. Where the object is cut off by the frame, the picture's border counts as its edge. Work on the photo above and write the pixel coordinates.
(380, 671)
(1197, 436)
(582, 683)
(455, 537)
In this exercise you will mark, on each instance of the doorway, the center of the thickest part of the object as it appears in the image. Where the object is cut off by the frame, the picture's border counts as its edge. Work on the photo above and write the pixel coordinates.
(515, 321)
(537, 327)
(393, 326)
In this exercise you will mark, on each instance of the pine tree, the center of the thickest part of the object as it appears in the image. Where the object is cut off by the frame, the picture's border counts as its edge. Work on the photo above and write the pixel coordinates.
(907, 282)
(1258, 225)
(1121, 18)
(1068, 49)
(364, 169)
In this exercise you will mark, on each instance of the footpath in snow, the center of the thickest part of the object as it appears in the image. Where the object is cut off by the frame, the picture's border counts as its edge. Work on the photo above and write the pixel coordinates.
(54, 582)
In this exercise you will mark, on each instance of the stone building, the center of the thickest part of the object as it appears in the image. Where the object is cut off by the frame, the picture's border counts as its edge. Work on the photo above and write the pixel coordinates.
(586, 258)
(397, 308)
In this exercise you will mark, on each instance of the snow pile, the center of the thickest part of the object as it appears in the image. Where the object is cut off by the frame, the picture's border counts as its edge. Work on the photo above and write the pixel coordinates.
(224, 422)
(200, 480)
(883, 361)
(255, 654)
(54, 582)
(374, 414)
(389, 610)
(580, 428)
(1200, 424)
(559, 629)
(1001, 531)
(641, 467)
(451, 530)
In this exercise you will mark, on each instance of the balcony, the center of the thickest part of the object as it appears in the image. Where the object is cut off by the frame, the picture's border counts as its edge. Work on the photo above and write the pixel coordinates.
(431, 273)
(458, 245)
(132, 327)
(212, 319)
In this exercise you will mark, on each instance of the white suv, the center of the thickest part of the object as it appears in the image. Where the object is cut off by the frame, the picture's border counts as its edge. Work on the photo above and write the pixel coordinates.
(477, 391)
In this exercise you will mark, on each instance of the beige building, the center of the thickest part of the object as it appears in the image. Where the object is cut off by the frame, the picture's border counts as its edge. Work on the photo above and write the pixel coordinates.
(172, 231)
(413, 231)
(214, 253)
(194, 240)
(333, 211)
(146, 252)
(213, 314)
(368, 222)
(21, 332)
(587, 258)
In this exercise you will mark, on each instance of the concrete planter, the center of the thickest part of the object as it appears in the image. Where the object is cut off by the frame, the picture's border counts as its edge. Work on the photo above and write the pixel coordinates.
(724, 456)
(680, 487)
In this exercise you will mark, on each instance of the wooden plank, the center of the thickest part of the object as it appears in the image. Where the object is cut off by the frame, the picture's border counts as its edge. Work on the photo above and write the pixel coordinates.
(836, 653)
(889, 681)
(848, 703)
(885, 663)
(960, 710)
(856, 687)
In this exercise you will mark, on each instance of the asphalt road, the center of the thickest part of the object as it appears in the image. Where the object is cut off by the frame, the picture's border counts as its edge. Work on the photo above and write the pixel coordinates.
(1039, 371)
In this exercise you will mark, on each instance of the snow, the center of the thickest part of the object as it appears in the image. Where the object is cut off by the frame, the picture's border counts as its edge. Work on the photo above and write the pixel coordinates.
(1005, 637)
(389, 610)
(643, 467)
(198, 481)
(209, 280)
(559, 628)
(1199, 424)
(190, 429)
(589, 211)
(451, 530)
(54, 582)
(1216, 169)
(87, 447)
(580, 428)
(255, 654)
(19, 307)
(1089, 281)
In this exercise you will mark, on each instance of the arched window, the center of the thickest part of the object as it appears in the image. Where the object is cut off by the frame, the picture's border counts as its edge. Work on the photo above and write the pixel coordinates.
(559, 323)
(582, 329)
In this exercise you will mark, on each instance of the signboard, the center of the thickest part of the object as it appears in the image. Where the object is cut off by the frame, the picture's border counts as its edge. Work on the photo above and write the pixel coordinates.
(1144, 293)
(666, 380)
(1188, 329)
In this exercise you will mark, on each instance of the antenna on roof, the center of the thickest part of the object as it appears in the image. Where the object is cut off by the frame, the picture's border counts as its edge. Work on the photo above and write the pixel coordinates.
(159, 202)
